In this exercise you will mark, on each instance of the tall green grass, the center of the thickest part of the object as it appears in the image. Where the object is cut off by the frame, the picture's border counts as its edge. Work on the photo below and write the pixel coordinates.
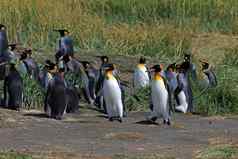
(223, 98)
(113, 26)
(157, 28)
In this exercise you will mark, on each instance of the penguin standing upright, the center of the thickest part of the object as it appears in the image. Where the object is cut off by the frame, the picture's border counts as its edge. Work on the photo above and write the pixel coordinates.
(112, 94)
(3, 44)
(99, 101)
(12, 51)
(30, 64)
(92, 74)
(159, 93)
(141, 75)
(180, 96)
(80, 79)
(13, 88)
(189, 72)
(210, 76)
(56, 95)
(65, 44)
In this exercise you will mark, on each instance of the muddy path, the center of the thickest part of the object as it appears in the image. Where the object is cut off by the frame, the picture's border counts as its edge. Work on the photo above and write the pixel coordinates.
(89, 133)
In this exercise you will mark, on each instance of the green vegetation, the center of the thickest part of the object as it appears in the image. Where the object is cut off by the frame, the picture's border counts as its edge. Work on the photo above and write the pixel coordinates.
(162, 29)
(33, 94)
(13, 155)
(111, 26)
(222, 99)
(151, 156)
(219, 152)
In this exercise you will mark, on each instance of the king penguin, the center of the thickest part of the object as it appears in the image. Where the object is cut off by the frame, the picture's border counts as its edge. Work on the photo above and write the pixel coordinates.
(141, 75)
(112, 94)
(181, 99)
(160, 96)
(65, 44)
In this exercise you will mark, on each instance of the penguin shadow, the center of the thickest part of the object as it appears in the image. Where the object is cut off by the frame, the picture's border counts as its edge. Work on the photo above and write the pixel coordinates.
(146, 122)
(36, 115)
(102, 116)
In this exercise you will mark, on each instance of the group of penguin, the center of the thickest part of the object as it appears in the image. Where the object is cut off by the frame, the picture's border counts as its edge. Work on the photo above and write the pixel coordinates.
(99, 86)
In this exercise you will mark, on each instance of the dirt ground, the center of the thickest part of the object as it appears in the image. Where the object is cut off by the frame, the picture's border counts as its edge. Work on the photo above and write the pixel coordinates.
(88, 133)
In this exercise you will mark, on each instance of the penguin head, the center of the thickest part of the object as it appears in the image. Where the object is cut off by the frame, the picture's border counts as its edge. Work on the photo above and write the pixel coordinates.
(65, 58)
(23, 56)
(104, 59)
(109, 67)
(187, 57)
(50, 66)
(156, 68)
(205, 64)
(142, 60)
(28, 51)
(63, 32)
(86, 64)
(171, 67)
(2, 27)
(12, 46)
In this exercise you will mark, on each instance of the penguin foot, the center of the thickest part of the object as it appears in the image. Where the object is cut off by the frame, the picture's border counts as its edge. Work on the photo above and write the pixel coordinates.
(167, 122)
(124, 114)
(153, 119)
(120, 120)
(111, 119)
(58, 118)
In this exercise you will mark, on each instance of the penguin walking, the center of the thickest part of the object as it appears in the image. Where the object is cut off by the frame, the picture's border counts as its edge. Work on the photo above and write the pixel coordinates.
(160, 96)
(141, 75)
(112, 94)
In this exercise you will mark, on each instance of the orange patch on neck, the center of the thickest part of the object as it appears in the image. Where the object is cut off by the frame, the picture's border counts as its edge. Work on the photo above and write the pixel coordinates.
(158, 77)
(109, 75)
(141, 66)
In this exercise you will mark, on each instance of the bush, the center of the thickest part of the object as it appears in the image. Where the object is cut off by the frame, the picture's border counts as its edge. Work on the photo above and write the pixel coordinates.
(33, 93)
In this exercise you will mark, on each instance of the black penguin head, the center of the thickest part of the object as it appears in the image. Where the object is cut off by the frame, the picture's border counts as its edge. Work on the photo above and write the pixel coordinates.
(109, 67)
(50, 66)
(187, 57)
(85, 64)
(62, 32)
(104, 59)
(142, 60)
(28, 51)
(205, 64)
(2, 27)
(156, 68)
(171, 67)
(12, 47)
(23, 56)
(66, 58)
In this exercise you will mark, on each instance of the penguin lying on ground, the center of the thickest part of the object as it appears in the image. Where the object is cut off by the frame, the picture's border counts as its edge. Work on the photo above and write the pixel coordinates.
(160, 96)
(13, 88)
(112, 94)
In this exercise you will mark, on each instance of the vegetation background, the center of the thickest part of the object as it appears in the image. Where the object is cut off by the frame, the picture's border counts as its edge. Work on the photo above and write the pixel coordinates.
(162, 29)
